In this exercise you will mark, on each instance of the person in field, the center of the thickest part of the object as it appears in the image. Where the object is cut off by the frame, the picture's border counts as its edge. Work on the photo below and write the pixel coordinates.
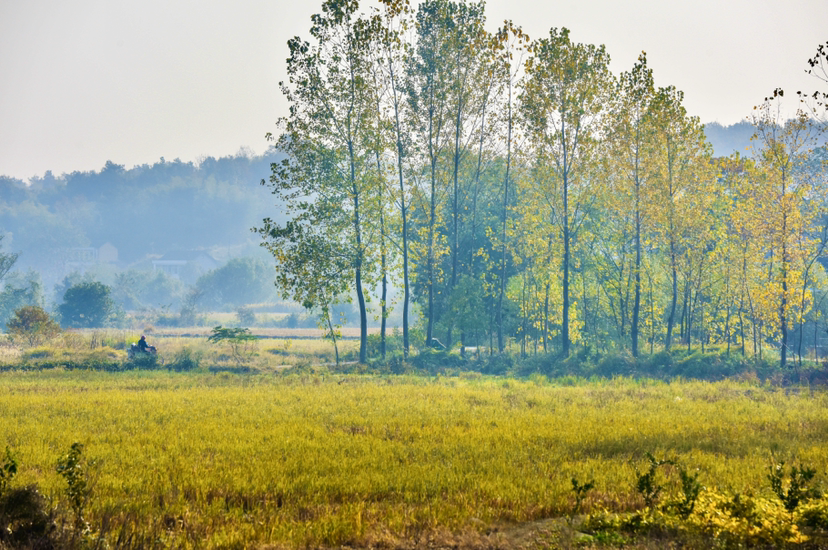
(142, 344)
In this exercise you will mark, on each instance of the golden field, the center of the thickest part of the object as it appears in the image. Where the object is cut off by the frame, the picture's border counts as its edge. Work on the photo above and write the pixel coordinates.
(309, 459)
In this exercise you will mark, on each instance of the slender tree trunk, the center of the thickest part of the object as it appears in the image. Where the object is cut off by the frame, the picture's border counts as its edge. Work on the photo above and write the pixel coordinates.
(503, 214)
(525, 313)
(587, 325)
(383, 263)
(431, 223)
(783, 302)
(816, 340)
(403, 209)
(673, 298)
(637, 300)
(384, 298)
(363, 314)
(546, 320)
(652, 314)
(565, 289)
(332, 332)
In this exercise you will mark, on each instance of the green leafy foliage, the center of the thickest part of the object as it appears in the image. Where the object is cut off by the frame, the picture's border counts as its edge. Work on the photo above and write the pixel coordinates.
(798, 490)
(7, 261)
(20, 290)
(77, 471)
(690, 489)
(86, 305)
(8, 469)
(240, 341)
(239, 282)
(580, 490)
(647, 483)
(33, 325)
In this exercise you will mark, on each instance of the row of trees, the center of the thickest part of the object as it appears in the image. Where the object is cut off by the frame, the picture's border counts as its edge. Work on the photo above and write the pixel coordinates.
(518, 186)
(141, 211)
(84, 301)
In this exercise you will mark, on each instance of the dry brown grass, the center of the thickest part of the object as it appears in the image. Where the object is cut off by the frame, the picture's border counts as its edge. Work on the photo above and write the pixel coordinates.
(264, 332)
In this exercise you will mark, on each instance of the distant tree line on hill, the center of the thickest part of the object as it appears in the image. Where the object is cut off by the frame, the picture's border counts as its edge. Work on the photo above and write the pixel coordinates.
(147, 209)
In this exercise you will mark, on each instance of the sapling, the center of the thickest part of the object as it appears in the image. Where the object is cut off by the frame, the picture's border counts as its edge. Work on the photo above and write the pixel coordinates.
(7, 471)
(239, 339)
(580, 493)
(798, 490)
(76, 470)
(690, 488)
(647, 485)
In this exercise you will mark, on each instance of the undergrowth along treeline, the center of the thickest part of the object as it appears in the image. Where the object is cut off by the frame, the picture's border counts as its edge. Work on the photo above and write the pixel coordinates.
(304, 459)
(106, 350)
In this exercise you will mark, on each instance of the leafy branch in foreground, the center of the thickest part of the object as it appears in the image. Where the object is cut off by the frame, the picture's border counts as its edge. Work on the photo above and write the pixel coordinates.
(690, 489)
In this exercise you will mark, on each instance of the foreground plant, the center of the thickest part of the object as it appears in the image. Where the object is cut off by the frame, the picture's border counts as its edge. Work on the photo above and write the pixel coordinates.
(798, 490)
(77, 471)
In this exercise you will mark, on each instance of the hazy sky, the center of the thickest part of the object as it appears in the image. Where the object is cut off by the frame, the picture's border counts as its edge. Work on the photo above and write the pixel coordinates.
(86, 81)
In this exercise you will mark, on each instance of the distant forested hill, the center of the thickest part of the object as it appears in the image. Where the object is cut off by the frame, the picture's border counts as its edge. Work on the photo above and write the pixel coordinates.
(141, 211)
(729, 139)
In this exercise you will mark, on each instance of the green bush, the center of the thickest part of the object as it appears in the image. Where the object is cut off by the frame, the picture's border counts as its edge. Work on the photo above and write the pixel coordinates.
(435, 362)
(32, 325)
(86, 305)
(141, 361)
(621, 364)
(185, 360)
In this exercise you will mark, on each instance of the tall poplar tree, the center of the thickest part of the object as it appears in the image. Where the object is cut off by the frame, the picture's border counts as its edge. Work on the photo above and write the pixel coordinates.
(783, 147)
(563, 104)
(329, 174)
(634, 148)
(683, 156)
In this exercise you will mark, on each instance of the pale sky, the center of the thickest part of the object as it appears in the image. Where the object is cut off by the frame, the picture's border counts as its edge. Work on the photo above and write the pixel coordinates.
(131, 81)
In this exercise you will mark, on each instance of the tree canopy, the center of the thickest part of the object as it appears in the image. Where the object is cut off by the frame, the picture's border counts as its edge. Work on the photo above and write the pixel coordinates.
(514, 175)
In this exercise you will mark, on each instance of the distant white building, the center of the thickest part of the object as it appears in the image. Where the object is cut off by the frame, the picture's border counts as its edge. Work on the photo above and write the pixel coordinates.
(84, 258)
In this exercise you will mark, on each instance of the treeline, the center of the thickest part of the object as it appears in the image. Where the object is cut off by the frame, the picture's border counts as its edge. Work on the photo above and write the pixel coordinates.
(147, 209)
(517, 187)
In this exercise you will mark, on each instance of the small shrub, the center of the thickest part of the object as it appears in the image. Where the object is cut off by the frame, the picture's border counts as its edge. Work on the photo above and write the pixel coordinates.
(497, 364)
(185, 360)
(142, 361)
(241, 342)
(25, 520)
(647, 485)
(8, 469)
(622, 364)
(690, 489)
(798, 490)
(580, 491)
(77, 471)
(659, 363)
(434, 362)
(814, 516)
(246, 316)
(32, 325)
(39, 353)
